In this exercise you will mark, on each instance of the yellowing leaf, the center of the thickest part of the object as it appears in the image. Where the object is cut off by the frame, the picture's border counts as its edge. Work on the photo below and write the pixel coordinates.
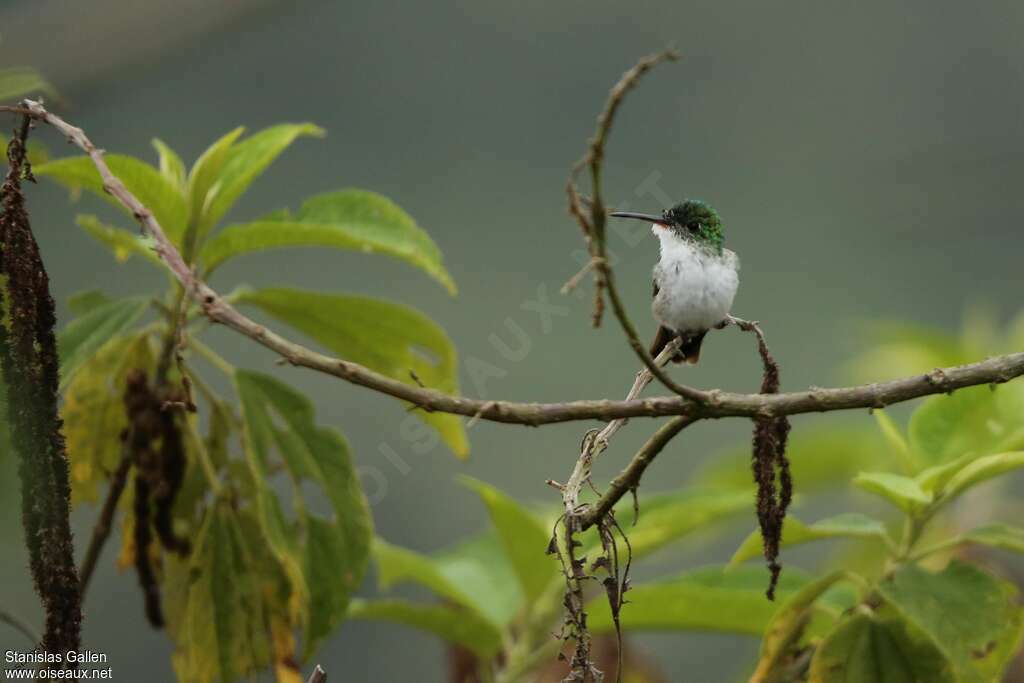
(94, 413)
(333, 551)
(285, 659)
(222, 633)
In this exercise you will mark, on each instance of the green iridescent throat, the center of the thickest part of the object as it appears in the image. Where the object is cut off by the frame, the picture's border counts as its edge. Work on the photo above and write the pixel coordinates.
(698, 221)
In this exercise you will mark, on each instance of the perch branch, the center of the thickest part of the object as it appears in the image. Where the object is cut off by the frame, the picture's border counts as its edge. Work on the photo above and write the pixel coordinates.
(717, 404)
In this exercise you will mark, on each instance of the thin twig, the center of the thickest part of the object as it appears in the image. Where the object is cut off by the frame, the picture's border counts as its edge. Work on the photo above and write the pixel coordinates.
(717, 404)
(630, 476)
(573, 282)
(594, 226)
(595, 442)
(20, 625)
(318, 675)
(101, 531)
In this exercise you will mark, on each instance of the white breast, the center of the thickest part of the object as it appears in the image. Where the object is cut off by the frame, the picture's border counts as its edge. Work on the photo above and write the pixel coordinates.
(696, 285)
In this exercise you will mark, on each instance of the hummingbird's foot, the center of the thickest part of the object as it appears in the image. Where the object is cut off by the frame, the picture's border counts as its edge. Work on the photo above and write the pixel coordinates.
(745, 325)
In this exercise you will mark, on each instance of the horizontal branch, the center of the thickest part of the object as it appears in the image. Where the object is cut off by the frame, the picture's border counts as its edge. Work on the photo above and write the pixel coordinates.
(715, 404)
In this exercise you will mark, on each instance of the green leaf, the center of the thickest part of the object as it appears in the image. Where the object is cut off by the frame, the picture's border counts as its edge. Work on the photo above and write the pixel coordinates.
(35, 151)
(948, 427)
(668, 517)
(347, 219)
(795, 532)
(337, 548)
(81, 303)
(820, 457)
(523, 537)
(902, 491)
(122, 242)
(94, 414)
(151, 188)
(895, 439)
(868, 649)
(243, 163)
(997, 535)
(934, 479)
(20, 81)
(392, 339)
(81, 338)
(707, 599)
(205, 171)
(258, 439)
(972, 617)
(898, 349)
(334, 565)
(786, 629)
(171, 166)
(484, 575)
(454, 625)
(396, 564)
(982, 470)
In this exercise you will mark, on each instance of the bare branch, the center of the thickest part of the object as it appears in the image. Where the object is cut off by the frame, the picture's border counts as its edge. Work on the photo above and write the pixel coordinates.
(716, 404)
(594, 226)
(101, 531)
(630, 477)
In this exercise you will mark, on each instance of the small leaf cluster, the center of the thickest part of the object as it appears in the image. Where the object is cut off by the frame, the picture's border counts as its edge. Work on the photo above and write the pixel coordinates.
(901, 598)
(268, 569)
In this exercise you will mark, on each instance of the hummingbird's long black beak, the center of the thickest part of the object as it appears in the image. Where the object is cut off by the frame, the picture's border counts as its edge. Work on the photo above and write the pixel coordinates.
(650, 217)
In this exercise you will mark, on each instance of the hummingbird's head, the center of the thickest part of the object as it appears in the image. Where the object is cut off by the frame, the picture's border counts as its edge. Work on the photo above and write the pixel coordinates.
(691, 220)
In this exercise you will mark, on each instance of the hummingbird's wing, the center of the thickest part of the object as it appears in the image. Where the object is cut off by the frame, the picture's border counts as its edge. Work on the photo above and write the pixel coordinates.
(664, 335)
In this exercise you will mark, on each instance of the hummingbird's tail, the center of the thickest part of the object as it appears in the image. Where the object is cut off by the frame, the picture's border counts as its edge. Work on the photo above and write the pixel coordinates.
(689, 350)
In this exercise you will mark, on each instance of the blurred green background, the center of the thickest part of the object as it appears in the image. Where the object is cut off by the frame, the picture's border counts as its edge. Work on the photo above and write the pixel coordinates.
(866, 160)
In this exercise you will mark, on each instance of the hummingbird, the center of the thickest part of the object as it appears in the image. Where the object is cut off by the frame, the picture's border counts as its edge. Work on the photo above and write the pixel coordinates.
(695, 279)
